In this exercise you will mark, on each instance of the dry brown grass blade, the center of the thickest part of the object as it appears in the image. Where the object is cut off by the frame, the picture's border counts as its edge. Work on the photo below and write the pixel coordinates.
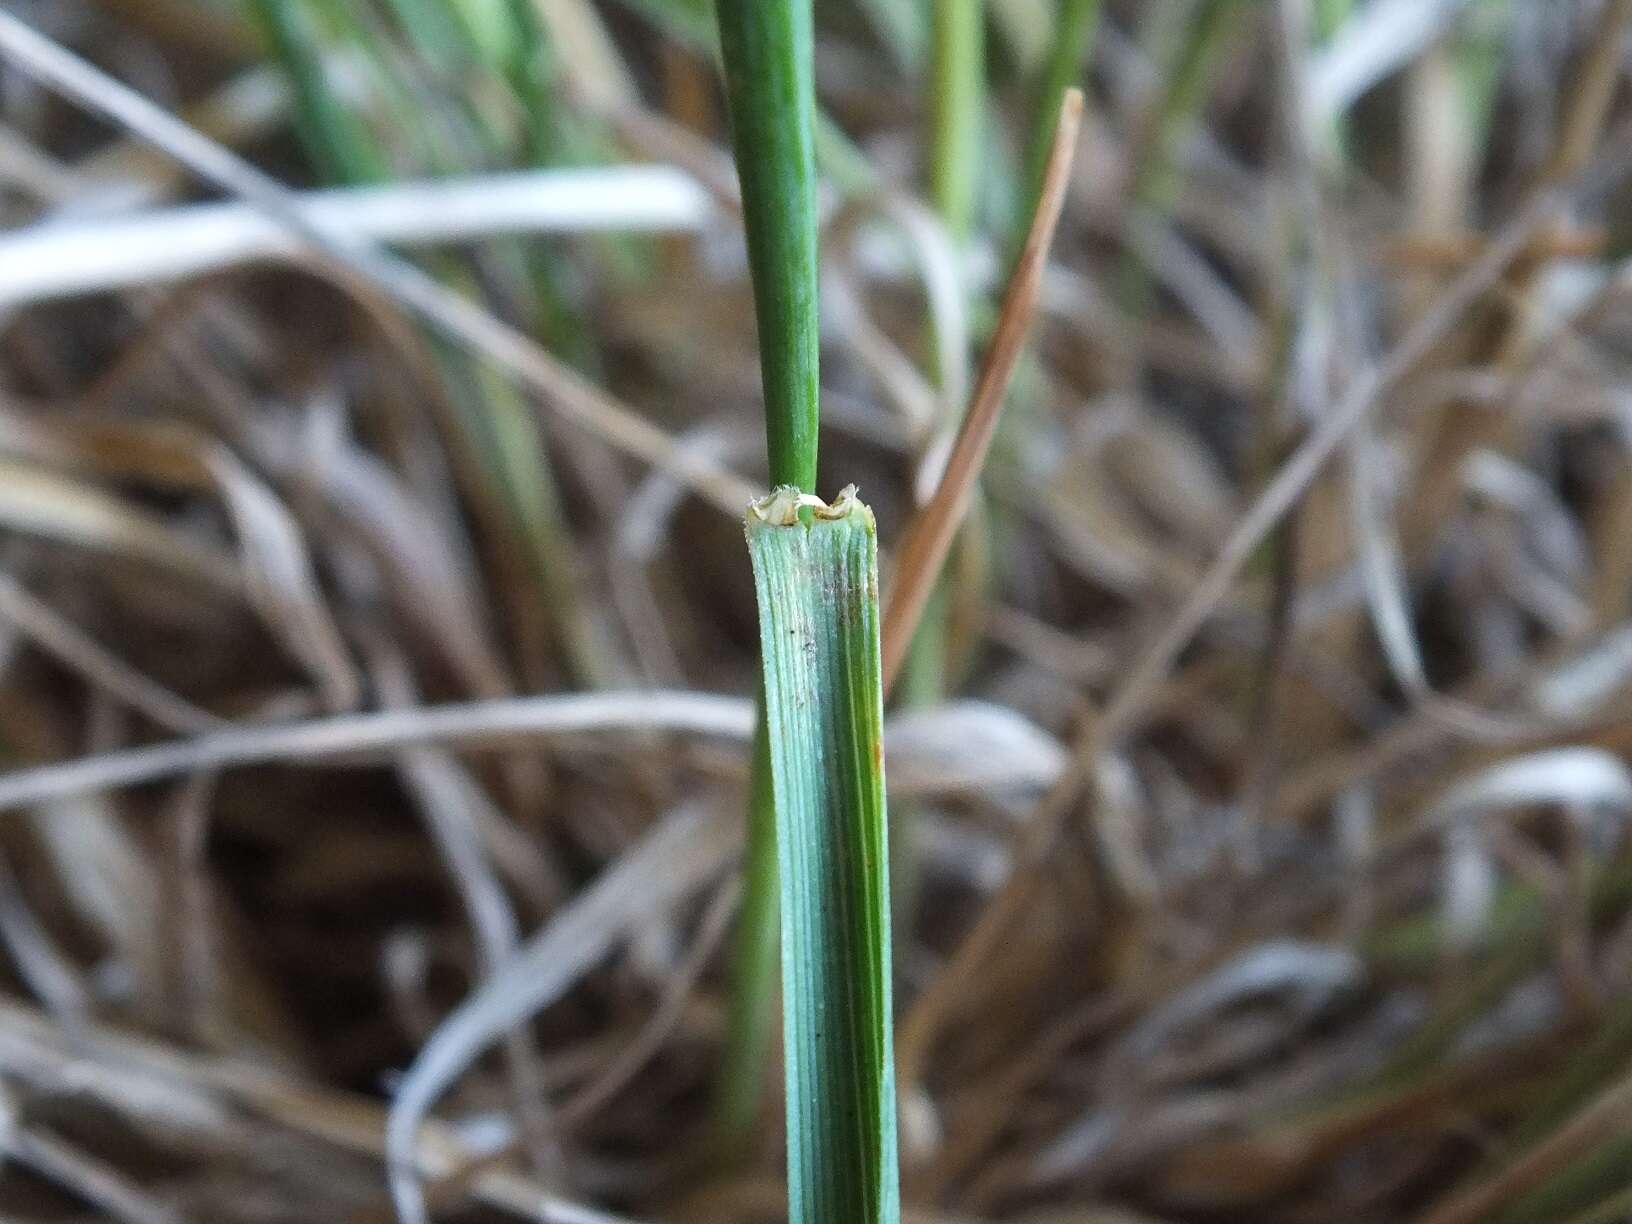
(925, 757)
(207, 1099)
(43, 967)
(192, 993)
(1585, 112)
(59, 637)
(1311, 457)
(928, 538)
(42, 503)
(460, 320)
(80, 1174)
(1440, 791)
(968, 746)
(281, 581)
(702, 714)
(1131, 698)
(1607, 1117)
(278, 576)
(246, 108)
(1573, 685)
(681, 854)
(109, 880)
(1439, 251)
(455, 808)
(418, 551)
(646, 1043)
(1267, 1161)
(933, 263)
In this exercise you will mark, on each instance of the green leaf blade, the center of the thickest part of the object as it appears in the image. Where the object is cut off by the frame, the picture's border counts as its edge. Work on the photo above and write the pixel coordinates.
(816, 579)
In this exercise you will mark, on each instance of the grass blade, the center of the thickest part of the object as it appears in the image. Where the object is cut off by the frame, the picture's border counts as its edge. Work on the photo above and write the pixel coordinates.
(816, 579)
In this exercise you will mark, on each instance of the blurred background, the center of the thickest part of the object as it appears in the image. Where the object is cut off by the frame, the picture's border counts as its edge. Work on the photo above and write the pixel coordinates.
(1259, 781)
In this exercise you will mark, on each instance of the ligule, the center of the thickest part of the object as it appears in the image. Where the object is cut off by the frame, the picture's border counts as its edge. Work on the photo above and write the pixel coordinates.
(816, 578)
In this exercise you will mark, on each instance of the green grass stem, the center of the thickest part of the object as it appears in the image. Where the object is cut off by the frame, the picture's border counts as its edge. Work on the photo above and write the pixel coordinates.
(751, 1007)
(1187, 80)
(1074, 32)
(958, 102)
(765, 47)
(767, 60)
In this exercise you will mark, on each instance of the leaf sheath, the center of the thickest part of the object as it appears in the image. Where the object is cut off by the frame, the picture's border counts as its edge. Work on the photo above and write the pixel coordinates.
(817, 584)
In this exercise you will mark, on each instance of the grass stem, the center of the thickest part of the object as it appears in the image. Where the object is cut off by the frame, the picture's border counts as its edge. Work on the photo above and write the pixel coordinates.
(767, 59)
(1074, 32)
(765, 47)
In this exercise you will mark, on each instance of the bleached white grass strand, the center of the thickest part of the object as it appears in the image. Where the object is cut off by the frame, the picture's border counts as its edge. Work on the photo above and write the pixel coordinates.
(63, 258)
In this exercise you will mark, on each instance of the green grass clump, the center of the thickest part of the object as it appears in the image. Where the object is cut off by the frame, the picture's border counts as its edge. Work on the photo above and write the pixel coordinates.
(450, 62)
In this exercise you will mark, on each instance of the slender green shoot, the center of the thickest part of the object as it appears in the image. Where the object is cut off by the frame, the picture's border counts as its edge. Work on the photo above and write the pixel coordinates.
(1074, 32)
(508, 45)
(957, 98)
(958, 157)
(958, 107)
(751, 1008)
(1480, 59)
(1187, 80)
(335, 139)
(844, 166)
(816, 578)
(1613, 1210)
(766, 54)
(1605, 1169)
(765, 46)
